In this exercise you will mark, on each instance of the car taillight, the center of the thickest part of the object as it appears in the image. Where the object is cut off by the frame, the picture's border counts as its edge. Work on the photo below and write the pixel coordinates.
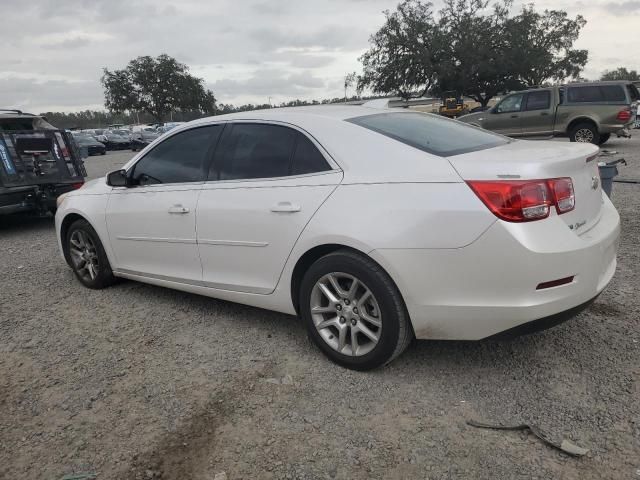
(624, 115)
(565, 198)
(78, 185)
(525, 200)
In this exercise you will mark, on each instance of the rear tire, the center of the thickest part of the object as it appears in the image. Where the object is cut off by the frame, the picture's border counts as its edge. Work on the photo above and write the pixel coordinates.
(584, 132)
(604, 138)
(361, 327)
(87, 257)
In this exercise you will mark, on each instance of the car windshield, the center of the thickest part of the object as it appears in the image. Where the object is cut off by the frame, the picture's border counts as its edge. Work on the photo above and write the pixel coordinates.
(430, 133)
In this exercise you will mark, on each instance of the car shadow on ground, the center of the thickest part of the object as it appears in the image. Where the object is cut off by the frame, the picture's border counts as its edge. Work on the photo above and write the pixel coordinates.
(25, 223)
(279, 326)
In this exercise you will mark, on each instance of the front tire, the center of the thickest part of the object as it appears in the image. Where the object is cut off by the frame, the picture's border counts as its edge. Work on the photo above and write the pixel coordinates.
(585, 132)
(87, 257)
(353, 311)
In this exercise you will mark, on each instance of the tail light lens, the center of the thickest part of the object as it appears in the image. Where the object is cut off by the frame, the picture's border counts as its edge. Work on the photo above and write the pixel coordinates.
(624, 115)
(565, 198)
(78, 185)
(525, 200)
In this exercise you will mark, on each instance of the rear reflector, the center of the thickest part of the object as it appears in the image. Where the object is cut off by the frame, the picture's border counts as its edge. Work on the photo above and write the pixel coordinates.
(624, 115)
(554, 283)
(525, 200)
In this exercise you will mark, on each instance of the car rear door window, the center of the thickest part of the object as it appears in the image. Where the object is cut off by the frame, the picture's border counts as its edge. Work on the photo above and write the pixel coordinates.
(538, 100)
(307, 158)
(180, 158)
(252, 151)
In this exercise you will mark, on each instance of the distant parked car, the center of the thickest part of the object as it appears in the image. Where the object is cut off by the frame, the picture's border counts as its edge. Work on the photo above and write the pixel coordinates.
(373, 225)
(142, 138)
(584, 112)
(114, 141)
(93, 146)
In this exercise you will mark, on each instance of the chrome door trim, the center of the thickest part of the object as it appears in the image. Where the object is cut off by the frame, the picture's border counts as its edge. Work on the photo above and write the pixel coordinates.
(135, 275)
(190, 241)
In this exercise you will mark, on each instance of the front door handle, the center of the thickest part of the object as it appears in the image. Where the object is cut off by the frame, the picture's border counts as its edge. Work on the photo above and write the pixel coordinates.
(544, 113)
(514, 116)
(178, 209)
(285, 207)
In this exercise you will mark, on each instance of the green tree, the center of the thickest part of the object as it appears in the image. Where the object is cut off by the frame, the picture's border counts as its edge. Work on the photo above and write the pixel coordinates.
(541, 46)
(475, 47)
(620, 73)
(477, 59)
(404, 53)
(157, 86)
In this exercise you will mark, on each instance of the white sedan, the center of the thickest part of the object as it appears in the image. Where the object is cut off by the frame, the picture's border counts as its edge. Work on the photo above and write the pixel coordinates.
(374, 226)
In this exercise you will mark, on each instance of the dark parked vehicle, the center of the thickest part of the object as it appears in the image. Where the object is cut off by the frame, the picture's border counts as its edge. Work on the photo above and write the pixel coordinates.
(93, 146)
(113, 141)
(142, 138)
(38, 163)
(584, 112)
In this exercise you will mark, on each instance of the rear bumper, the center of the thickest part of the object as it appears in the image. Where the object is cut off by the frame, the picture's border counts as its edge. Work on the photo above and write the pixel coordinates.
(30, 199)
(489, 286)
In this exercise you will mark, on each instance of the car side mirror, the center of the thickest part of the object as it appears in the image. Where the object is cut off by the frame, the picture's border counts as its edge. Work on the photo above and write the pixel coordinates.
(118, 178)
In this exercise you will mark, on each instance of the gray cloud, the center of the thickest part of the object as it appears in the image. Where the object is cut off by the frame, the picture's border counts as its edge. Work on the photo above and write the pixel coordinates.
(623, 8)
(53, 51)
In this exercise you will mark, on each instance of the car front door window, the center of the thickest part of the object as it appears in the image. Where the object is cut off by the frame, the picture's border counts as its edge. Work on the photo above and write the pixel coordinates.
(179, 159)
(512, 103)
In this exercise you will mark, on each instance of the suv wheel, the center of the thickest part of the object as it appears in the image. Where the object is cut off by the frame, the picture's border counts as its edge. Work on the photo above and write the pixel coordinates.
(87, 257)
(353, 311)
(585, 132)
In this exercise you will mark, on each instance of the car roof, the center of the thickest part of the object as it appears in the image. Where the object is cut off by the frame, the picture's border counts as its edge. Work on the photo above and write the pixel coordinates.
(334, 111)
(603, 82)
(16, 114)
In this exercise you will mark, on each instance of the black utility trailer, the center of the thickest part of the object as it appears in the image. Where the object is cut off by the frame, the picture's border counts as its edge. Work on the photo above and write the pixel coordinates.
(38, 162)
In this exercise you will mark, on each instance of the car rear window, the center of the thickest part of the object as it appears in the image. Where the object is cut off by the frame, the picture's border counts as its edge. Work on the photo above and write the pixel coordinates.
(430, 133)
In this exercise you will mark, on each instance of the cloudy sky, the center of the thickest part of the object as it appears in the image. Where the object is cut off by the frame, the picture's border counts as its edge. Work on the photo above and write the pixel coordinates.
(53, 51)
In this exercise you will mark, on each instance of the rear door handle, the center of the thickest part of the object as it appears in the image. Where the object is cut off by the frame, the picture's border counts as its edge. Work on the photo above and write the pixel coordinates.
(285, 207)
(178, 209)
(514, 116)
(544, 113)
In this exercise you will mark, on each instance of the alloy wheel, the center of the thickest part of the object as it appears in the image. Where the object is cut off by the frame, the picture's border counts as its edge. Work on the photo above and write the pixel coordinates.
(584, 135)
(84, 255)
(346, 314)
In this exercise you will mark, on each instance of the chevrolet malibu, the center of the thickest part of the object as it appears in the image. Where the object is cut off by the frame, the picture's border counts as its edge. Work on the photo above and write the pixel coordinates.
(374, 226)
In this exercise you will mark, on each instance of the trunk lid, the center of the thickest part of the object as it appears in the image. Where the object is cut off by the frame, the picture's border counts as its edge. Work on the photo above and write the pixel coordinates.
(537, 160)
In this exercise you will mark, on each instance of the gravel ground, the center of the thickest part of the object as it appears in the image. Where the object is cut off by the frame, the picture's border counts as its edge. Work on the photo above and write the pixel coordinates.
(141, 382)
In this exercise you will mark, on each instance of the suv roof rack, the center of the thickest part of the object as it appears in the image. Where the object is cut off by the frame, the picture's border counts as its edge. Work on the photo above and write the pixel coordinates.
(16, 111)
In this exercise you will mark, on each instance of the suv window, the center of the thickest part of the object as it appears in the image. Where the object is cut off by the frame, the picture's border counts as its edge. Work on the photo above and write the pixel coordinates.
(254, 151)
(307, 158)
(179, 159)
(512, 103)
(634, 95)
(538, 100)
(430, 133)
(613, 93)
(594, 93)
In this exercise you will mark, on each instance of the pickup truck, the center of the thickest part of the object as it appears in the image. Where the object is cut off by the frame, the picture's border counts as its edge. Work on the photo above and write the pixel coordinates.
(584, 112)
(38, 162)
